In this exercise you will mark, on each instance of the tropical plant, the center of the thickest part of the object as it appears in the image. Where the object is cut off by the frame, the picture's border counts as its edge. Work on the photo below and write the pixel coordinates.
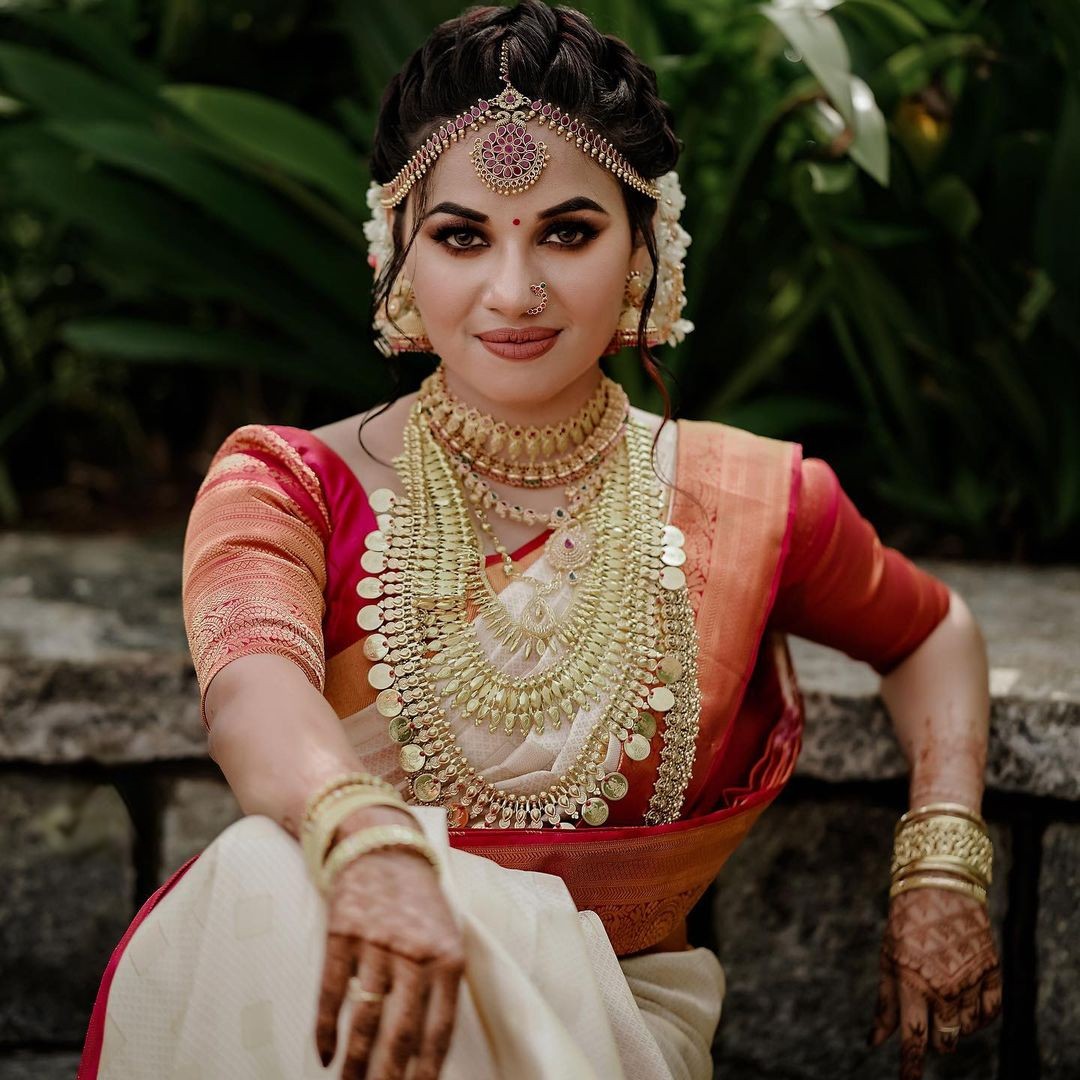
(881, 196)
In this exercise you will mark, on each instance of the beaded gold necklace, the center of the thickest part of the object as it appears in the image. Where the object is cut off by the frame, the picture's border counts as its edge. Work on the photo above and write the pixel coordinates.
(484, 434)
(468, 436)
(636, 660)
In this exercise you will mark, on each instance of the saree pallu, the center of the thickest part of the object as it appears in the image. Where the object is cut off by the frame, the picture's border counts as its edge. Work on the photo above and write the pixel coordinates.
(222, 980)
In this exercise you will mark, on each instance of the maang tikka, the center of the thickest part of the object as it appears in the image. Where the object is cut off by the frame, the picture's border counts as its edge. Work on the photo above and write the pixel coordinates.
(509, 161)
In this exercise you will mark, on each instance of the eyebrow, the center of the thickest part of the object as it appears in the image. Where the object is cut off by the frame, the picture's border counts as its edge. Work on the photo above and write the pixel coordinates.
(578, 202)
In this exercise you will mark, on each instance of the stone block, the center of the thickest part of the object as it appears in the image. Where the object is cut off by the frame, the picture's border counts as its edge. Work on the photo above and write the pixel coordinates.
(195, 810)
(1058, 1003)
(799, 912)
(114, 712)
(1030, 618)
(67, 899)
(26, 1066)
(94, 664)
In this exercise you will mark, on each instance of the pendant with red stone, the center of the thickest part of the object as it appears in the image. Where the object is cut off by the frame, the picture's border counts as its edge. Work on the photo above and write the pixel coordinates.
(508, 160)
(569, 547)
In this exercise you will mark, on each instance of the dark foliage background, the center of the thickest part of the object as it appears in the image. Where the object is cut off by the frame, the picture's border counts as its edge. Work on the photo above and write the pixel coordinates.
(882, 196)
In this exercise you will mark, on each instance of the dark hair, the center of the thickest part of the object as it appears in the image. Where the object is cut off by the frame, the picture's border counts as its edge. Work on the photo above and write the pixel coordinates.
(554, 53)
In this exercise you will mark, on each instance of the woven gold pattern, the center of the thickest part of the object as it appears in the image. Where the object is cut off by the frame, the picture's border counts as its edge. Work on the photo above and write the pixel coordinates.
(944, 835)
(254, 558)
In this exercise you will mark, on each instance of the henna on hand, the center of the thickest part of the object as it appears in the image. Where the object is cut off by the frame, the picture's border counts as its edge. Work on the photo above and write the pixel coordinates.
(389, 923)
(939, 970)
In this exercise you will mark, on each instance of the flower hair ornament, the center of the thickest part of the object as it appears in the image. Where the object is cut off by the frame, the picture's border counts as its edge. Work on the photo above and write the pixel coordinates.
(509, 160)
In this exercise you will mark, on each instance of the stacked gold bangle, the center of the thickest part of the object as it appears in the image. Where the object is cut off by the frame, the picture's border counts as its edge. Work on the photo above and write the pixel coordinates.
(942, 846)
(328, 807)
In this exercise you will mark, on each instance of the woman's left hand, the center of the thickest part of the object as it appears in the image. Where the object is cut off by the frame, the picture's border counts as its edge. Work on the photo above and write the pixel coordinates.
(940, 974)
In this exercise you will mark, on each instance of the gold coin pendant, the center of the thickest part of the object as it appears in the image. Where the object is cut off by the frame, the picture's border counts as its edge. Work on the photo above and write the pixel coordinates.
(595, 811)
(614, 786)
(412, 758)
(380, 676)
(645, 725)
(376, 647)
(369, 588)
(637, 747)
(427, 788)
(381, 499)
(661, 698)
(389, 703)
(400, 729)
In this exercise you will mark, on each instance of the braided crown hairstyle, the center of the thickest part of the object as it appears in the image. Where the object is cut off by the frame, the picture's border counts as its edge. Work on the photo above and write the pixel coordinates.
(554, 53)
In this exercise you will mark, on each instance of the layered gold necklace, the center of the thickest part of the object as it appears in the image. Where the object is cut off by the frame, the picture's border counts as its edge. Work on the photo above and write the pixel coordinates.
(627, 647)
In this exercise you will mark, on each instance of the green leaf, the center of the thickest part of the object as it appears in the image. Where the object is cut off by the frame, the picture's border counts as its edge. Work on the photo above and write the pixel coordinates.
(896, 14)
(143, 341)
(244, 209)
(912, 68)
(830, 178)
(822, 48)
(180, 244)
(62, 89)
(279, 135)
(93, 40)
(954, 204)
(785, 416)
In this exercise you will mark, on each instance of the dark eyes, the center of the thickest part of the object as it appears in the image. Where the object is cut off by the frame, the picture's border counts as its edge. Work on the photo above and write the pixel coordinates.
(458, 237)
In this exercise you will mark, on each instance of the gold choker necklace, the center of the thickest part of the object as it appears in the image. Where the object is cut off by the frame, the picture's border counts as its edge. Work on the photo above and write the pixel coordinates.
(520, 455)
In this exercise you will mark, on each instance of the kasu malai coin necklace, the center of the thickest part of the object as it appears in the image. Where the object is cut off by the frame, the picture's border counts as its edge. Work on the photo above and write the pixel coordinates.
(631, 644)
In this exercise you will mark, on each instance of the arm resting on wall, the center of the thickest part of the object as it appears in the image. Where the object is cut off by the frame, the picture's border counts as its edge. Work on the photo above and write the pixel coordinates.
(939, 701)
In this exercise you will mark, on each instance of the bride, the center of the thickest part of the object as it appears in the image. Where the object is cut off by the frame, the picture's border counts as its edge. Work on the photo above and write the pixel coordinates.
(498, 672)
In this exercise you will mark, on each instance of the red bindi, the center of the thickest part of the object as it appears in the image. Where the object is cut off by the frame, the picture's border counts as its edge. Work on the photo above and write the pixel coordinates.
(517, 221)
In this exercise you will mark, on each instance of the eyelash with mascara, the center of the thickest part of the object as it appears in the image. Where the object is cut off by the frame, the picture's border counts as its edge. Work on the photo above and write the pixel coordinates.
(444, 232)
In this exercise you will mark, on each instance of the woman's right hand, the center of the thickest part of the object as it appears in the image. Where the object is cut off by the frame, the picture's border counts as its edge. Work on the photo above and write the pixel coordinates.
(389, 923)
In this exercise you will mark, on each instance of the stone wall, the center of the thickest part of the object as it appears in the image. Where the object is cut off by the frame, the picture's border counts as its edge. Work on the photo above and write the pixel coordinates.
(108, 788)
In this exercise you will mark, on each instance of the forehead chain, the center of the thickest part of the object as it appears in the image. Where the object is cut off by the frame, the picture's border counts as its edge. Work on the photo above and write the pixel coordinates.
(508, 160)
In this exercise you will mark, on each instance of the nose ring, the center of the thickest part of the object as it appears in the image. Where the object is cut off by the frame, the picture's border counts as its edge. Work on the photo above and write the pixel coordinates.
(539, 289)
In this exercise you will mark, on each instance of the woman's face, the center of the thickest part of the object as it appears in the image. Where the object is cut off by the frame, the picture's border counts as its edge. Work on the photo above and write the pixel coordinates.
(477, 252)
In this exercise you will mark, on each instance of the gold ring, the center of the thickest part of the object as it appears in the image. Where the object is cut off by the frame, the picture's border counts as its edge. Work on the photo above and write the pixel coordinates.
(950, 1030)
(355, 992)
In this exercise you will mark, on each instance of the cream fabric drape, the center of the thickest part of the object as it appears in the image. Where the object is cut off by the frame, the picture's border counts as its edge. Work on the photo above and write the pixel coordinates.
(222, 979)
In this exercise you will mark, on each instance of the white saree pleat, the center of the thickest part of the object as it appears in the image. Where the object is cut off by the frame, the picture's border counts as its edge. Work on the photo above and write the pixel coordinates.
(222, 978)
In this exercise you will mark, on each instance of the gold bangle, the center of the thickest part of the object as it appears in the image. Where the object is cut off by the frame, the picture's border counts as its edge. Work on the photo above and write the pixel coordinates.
(317, 833)
(378, 836)
(344, 780)
(937, 881)
(951, 864)
(948, 809)
(944, 836)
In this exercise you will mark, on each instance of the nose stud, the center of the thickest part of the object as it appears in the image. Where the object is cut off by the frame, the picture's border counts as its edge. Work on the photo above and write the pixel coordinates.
(539, 289)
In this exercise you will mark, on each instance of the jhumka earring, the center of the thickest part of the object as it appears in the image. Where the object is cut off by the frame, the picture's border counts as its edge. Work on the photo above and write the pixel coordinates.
(626, 332)
(400, 327)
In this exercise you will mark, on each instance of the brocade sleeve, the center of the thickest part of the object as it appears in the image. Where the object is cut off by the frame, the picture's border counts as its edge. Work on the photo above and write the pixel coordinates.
(841, 587)
(254, 569)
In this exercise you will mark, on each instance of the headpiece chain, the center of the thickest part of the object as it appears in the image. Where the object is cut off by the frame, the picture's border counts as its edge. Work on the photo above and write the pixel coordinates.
(508, 160)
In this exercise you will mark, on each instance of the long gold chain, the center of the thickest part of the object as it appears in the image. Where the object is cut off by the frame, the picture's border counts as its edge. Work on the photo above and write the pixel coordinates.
(428, 566)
